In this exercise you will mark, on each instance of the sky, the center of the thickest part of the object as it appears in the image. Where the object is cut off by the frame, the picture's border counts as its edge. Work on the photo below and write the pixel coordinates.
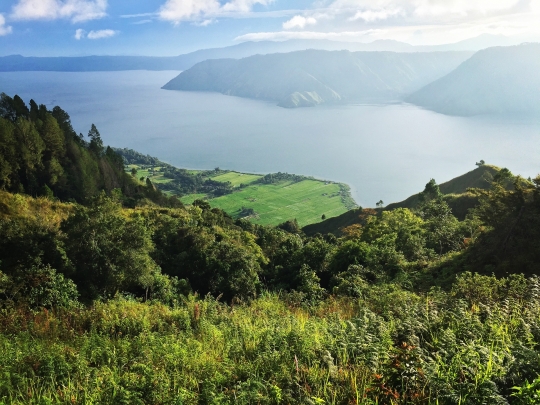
(173, 27)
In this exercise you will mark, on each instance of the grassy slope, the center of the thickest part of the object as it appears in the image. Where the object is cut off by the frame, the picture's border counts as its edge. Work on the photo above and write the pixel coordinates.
(477, 178)
(455, 191)
(306, 201)
(332, 225)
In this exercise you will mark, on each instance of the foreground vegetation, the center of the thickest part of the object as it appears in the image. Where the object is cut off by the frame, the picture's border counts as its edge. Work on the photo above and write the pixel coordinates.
(104, 302)
(471, 345)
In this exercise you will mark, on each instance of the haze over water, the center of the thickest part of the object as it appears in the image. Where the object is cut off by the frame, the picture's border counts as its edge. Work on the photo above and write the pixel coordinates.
(382, 152)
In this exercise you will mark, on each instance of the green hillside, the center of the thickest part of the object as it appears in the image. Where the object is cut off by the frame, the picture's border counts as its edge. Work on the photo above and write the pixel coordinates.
(454, 191)
(480, 177)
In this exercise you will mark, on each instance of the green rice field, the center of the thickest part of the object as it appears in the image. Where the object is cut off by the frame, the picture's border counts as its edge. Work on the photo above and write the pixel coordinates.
(305, 201)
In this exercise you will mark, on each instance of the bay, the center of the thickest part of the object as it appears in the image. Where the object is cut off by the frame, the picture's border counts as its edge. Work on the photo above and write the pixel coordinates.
(383, 152)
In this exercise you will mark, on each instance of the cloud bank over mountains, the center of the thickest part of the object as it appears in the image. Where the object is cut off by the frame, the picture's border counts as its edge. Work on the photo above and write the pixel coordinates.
(421, 22)
(181, 26)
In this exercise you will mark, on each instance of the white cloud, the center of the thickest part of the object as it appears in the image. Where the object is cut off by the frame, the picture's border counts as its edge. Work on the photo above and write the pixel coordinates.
(299, 22)
(193, 10)
(4, 29)
(76, 10)
(372, 10)
(80, 33)
(438, 21)
(101, 34)
(375, 15)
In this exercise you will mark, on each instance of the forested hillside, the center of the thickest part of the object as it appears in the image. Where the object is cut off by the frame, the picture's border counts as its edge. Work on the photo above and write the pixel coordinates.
(105, 303)
(42, 155)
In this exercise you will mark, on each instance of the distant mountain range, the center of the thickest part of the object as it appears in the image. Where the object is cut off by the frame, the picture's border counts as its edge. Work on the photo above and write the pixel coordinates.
(242, 50)
(296, 73)
(493, 81)
(307, 78)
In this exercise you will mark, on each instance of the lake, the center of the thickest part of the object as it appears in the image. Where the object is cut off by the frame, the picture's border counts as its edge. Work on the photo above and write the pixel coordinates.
(382, 152)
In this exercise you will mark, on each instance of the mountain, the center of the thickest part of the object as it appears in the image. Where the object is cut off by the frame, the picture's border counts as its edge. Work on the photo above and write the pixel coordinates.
(474, 44)
(13, 63)
(497, 80)
(182, 62)
(454, 191)
(307, 78)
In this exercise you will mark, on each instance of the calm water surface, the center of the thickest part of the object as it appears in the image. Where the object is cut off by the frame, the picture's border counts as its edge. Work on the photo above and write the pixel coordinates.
(382, 152)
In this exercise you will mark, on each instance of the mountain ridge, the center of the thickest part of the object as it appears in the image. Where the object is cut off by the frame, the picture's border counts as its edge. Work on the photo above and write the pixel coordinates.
(10, 63)
(499, 80)
(311, 77)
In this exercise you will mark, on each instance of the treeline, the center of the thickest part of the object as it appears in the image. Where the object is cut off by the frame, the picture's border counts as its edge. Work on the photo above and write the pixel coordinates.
(183, 181)
(132, 157)
(200, 182)
(42, 155)
(273, 178)
(108, 250)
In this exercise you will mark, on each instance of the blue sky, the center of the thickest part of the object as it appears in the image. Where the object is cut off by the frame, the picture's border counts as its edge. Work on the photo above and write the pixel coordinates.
(172, 27)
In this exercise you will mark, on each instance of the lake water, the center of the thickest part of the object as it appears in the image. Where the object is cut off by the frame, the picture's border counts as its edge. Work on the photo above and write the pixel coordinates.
(382, 152)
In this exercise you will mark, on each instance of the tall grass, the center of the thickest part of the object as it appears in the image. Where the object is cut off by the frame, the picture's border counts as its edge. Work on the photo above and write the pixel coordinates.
(391, 347)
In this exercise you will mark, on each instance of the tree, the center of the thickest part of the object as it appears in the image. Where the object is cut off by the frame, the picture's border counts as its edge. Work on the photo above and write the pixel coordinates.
(53, 137)
(213, 259)
(431, 192)
(380, 204)
(9, 162)
(12, 108)
(31, 148)
(290, 226)
(481, 163)
(443, 232)
(408, 227)
(323, 217)
(108, 252)
(96, 143)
